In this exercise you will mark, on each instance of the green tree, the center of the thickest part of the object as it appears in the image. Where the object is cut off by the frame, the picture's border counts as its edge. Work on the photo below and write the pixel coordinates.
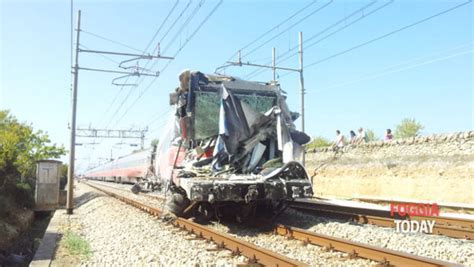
(21, 147)
(408, 128)
(318, 141)
(371, 135)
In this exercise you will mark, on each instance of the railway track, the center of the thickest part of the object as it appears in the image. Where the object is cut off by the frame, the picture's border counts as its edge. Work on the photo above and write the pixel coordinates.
(447, 226)
(386, 257)
(261, 256)
(256, 255)
(447, 206)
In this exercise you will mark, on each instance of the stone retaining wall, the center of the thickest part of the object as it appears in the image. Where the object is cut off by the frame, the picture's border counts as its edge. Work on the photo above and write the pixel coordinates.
(434, 168)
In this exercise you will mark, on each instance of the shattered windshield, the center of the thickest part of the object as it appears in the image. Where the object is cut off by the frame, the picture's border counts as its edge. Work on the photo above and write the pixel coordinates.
(206, 121)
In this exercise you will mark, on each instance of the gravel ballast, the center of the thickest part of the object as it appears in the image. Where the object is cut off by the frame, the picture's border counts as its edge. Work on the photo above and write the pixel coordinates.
(119, 234)
(312, 255)
(443, 248)
(432, 246)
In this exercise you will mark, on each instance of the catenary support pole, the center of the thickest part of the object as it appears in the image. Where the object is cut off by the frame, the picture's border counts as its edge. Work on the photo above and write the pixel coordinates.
(72, 147)
(274, 68)
(274, 64)
(300, 52)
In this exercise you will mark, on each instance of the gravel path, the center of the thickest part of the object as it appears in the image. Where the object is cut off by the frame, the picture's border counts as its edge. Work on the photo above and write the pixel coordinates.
(432, 246)
(122, 235)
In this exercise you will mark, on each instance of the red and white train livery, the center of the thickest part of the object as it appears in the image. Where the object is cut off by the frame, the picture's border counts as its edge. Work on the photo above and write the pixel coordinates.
(127, 169)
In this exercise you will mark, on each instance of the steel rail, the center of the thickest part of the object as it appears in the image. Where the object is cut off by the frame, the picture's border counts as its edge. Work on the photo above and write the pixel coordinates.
(451, 227)
(386, 256)
(255, 254)
(145, 194)
(447, 226)
(453, 206)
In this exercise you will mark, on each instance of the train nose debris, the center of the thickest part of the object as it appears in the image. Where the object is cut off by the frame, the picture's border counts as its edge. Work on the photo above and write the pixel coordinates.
(231, 144)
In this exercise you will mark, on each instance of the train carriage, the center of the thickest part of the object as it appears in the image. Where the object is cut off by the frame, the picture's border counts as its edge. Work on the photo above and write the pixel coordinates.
(132, 168)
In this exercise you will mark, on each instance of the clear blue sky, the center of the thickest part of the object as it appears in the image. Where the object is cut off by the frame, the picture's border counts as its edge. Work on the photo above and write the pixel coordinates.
(424, 72)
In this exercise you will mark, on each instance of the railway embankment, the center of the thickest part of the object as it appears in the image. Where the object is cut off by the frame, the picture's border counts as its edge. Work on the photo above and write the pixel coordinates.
(437, 168)
(114, 233)
(118, 234)
(18, 224)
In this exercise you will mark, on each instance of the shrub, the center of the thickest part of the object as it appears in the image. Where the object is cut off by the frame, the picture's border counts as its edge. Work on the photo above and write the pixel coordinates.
(318, 141)
(371, 136)
(20, 147)
(23, 195)
(5, 206)
(408, 128)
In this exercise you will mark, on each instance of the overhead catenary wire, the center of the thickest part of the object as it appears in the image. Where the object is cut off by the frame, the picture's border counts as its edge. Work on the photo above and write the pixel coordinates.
(173, 24)
(389, 70)
(288, 28)
(185, 23)
(102, 55)
(144, 52)
(110, 40)
(159, 116)
(176, 20)
(185, 43)
(163, 115)
(175, 55)
(308, 44)
(113, 100)
(160, 27)
(139, 80)
(195, 31)
(383, 36)
(273, 28)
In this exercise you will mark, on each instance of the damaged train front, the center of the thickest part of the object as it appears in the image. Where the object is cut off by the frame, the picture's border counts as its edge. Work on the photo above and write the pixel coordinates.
(231, 149)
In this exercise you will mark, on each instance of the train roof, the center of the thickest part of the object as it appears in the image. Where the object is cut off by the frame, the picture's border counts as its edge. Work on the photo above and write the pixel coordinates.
(214, 82)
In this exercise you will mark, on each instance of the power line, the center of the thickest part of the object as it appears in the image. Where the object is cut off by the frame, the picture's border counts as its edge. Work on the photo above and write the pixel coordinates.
(186, 22)
(101, 55)
(387, 34)
(388, 71)
(187, 41)
(272, 29)
(176, 21)
(144, 52)
(110, 40)
(139, 80)
(113, 101)
(289, 28)
(159, 127)
(161, 26)
(196, 30)
(119, 107)
(177, 52)
(156, 118)
(361, 11)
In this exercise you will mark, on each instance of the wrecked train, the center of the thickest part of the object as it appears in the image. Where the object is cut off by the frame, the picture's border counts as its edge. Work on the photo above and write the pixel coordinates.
(231, 147)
